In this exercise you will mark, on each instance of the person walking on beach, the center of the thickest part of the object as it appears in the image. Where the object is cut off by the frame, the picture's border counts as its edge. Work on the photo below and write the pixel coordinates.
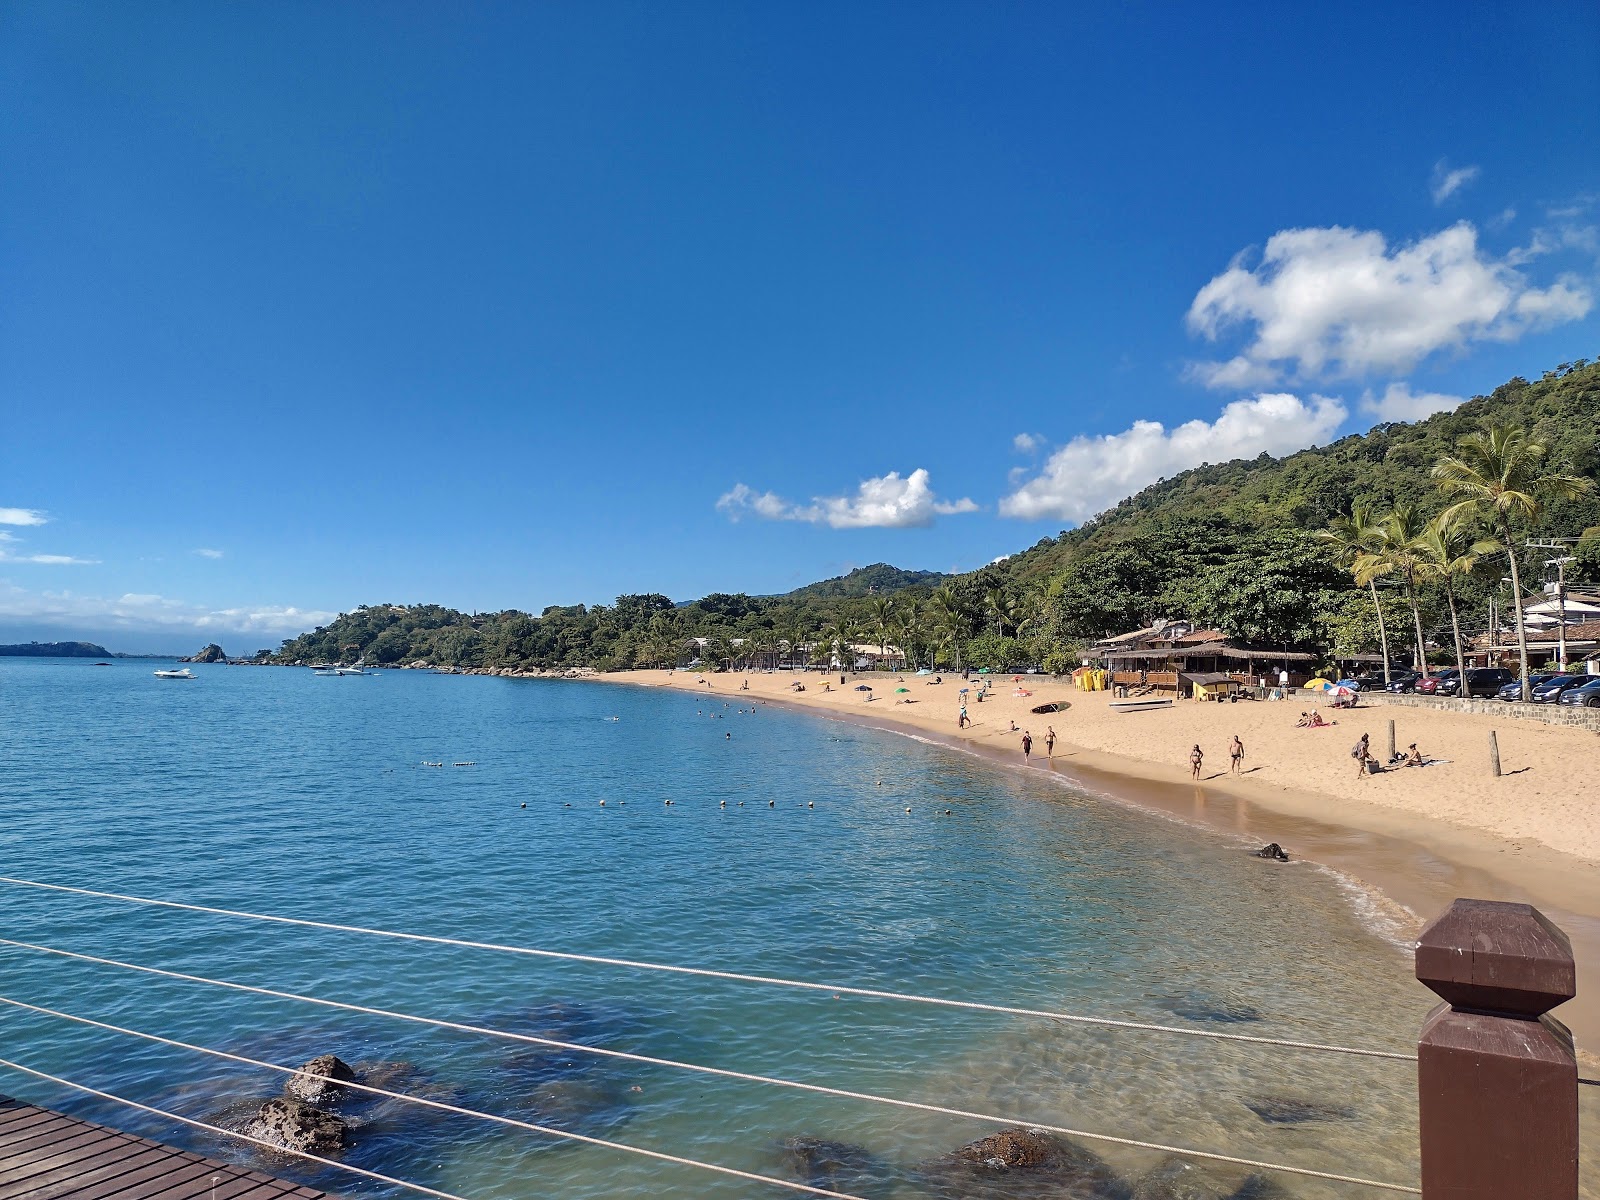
(1050, 741)
(1236, 752)
(1361, 754)
(1196, 758)
(963, 720)
(1027, 745)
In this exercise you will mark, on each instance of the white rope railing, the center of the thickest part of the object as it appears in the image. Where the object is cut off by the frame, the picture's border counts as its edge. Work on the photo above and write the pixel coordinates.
(733, 976)
(543, 1129)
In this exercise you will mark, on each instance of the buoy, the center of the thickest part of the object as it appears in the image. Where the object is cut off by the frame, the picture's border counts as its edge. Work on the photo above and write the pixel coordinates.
(524, 804)
(741, 804)
(602, 804)
(947, 812)
(668, 803)
(724, 804)
(772, 804)
(811, 804)
(567, 805)
(908, 809)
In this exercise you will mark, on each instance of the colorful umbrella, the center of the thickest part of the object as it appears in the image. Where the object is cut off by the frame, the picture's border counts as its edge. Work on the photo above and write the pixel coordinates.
(1318, 685)
(902, 689)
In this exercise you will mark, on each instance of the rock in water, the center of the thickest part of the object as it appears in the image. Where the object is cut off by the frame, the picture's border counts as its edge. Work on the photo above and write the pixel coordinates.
(1022, 1162)
(296, 1125)
(1199, 1007)
(1178, 1179)
(834, 1166)
(1279, 1110)
(1259, 1187)
(321, 1079)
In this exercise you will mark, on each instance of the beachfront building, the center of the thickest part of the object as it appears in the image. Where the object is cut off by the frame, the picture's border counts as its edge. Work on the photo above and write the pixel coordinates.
(1196, 663)
(1551, 622)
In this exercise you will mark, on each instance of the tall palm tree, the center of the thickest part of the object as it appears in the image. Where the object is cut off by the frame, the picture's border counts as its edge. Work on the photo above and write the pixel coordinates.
(1402, 549)
(1355, 540)
(882, 609)
(837, 638)
(1497, 475)
(1450, 551)
(1004, 609)
(913, 632)
(949, 615)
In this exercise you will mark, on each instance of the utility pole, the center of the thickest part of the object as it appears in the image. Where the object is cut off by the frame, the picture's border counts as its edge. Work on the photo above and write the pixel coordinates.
(1560, 564)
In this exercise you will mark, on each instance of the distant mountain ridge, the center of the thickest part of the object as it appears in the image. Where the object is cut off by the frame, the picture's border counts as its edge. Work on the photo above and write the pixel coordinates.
(877, 580)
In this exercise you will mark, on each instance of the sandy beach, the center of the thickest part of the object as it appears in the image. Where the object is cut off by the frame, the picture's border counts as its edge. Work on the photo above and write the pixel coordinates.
(1417, 837)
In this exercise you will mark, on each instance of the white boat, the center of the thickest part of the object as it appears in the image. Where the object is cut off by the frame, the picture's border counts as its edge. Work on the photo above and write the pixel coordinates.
(353, 669)
(183, 674)
(1141, 704)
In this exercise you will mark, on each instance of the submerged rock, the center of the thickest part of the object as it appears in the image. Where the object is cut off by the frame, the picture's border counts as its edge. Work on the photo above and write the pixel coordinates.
(321, 1079)
(296, 1125)
(1198, 1007)
(1179, 1179)
(1259, 1187)
(1280, 1110)
(834, 1166)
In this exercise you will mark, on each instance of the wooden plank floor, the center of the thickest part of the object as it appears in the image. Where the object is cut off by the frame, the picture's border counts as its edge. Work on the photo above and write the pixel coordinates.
(45, 1156)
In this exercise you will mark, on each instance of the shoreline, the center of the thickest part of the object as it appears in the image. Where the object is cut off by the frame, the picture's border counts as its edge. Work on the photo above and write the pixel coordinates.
(1407, 864)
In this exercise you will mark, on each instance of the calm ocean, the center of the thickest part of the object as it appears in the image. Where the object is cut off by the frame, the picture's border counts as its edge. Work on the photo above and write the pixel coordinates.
(277, 791)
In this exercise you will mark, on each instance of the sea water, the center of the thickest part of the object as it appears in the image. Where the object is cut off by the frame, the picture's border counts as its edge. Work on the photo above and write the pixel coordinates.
(786, 851)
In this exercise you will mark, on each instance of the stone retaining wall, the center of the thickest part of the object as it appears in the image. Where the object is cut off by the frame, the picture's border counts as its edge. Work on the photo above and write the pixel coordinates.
(1550, 714)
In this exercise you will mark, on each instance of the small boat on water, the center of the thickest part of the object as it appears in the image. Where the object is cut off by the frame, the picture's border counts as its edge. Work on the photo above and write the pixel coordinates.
(329, 669)
(1141, 704)
(183, 674)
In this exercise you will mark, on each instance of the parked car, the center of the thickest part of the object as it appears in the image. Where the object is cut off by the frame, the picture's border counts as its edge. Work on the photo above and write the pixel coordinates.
(1585, 695)
(1513, 690)
(1369, 682)
(1403, 681)
(1429, 685)
(1481, 681)
(1550, 691)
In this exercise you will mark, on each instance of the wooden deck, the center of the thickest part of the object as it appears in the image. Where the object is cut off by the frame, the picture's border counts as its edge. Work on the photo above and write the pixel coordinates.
(45, 1156)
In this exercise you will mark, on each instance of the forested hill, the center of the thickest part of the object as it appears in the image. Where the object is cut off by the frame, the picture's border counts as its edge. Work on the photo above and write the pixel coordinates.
(1389, 465)
(1230, 545)
(880, 579)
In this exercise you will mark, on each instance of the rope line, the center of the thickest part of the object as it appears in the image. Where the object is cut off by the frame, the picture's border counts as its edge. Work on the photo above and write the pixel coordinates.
(467, 1112)
(157, 1112)
(734, 976)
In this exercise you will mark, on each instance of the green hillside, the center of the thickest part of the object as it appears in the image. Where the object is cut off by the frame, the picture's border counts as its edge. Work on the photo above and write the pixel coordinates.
(1232, 544)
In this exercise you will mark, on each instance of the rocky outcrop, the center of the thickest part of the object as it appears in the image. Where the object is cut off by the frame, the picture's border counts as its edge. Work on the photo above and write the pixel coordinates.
(320, 1080)
(1023, 1163)
(211, 654)
(296, 1125)
(832, 1166)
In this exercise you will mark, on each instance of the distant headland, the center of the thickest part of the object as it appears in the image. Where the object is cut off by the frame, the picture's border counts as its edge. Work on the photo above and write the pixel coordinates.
(56, 650)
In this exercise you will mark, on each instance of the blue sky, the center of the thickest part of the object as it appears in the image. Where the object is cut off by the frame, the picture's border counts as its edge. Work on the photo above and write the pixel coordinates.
(304, 306)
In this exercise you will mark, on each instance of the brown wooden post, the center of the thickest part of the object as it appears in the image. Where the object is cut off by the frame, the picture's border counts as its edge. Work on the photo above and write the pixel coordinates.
(1390, 759)
(1494, 754)
(1497, 1076)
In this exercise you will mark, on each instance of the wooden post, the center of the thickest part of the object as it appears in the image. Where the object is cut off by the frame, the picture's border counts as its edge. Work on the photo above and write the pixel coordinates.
(1494, 755)
(1497, 1076)
(1390, 759)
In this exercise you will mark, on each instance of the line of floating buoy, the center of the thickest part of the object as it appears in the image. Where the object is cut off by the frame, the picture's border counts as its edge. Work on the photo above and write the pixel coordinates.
(464, 764)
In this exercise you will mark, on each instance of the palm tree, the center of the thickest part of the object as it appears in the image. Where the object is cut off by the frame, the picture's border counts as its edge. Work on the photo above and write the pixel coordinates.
(837, 637)
(1402, 550)
(1005, 610)
(912, 634)
(882, 618)
(949, 614)
(1450, 552)
(1354, 541)
(1497, 475)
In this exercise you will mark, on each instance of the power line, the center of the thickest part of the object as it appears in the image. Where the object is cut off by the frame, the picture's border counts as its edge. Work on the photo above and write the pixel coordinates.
(701, 972)
(437, 1104)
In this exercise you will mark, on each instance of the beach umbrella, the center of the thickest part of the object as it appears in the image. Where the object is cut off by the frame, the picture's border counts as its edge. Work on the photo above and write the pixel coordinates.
(924, 671)
(902, 689)
(964, 691)
(863, 688)
(1318, 685)
(1340, 690)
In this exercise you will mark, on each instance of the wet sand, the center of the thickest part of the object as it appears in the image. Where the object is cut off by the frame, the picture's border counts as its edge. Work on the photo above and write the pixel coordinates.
(1405, 865)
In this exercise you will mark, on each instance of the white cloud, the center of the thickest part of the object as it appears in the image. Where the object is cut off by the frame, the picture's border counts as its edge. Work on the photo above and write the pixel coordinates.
(1027, 443)
(205, 553)
(137, 611)
(883, 502)
(1447, 182)
(1336, 302)
(1400, 403)
(52, 560)
(22, 516)
(1090, 474)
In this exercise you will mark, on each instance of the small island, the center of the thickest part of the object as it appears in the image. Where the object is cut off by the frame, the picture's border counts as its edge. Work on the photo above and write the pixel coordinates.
(55, 650)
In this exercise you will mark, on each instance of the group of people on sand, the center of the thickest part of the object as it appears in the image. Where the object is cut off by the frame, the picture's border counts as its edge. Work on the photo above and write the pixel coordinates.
(1027, 742)
(1367, 764)
(1313, 720)
(1197, 758)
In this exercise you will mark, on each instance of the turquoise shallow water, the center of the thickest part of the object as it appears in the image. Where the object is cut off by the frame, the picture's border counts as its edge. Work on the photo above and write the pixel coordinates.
(281, 792)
